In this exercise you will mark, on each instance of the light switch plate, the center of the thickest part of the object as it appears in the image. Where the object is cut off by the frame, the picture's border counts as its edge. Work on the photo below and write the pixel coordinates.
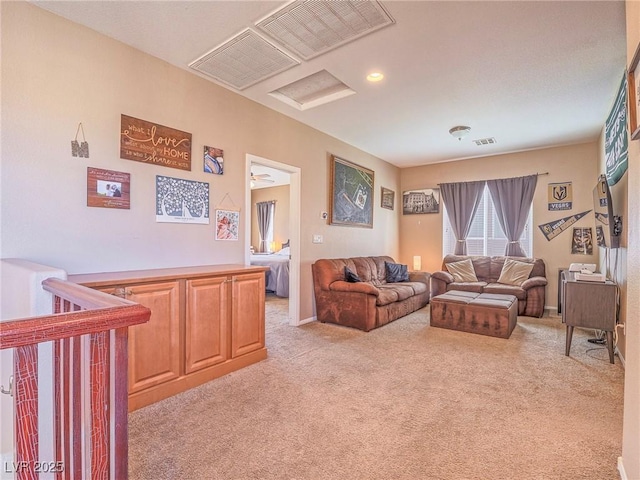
(317, 239)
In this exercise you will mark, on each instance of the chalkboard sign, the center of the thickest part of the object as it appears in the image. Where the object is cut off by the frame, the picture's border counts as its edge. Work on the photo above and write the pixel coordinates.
(149, 142)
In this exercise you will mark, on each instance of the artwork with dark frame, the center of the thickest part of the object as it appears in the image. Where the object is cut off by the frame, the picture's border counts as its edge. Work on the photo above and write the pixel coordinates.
(634, 95)
(387, 198)
(351, 194)
(582, 242)
(426, 200)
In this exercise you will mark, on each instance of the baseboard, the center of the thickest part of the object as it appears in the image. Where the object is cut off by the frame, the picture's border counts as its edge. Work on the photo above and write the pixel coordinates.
(623, 474)
(617, 352)
(550, 312)
(307, 320)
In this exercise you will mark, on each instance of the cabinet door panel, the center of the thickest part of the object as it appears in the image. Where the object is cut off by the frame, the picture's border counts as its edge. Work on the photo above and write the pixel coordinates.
(248, 313)
(154, 347)
(206, 334)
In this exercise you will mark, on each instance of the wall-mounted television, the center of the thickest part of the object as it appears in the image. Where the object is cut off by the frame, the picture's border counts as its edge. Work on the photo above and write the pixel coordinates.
(608, 225)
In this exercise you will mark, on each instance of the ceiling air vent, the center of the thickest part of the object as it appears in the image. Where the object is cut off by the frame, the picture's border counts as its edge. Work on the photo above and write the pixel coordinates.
(485, 141)
(312, 27)
(243, 61)
(316, 89)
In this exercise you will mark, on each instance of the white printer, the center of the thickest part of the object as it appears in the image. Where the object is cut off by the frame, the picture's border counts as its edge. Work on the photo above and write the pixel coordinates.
(585, 272)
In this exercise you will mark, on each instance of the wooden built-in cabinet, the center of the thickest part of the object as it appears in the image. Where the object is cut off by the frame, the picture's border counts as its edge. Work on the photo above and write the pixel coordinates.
(205, 322)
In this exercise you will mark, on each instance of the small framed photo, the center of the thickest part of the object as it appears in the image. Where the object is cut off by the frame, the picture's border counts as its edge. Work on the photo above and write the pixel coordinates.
(227, 222)
(108, 189)
(634, 95)
(387, 198)
(426, 200)
(213, 160)
(582, 243)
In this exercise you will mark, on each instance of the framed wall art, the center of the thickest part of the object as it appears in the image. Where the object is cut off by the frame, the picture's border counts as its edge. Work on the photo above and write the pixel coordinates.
(108, 189)
(426, 200)
(351, 194)
(149, 142)
(582, 242)
(634, 95)
(227, 222)
(387, 198)
(213, 160)
(181, 201)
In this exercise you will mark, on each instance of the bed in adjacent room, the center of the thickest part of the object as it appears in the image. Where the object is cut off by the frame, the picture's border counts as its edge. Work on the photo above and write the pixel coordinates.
(277, 277)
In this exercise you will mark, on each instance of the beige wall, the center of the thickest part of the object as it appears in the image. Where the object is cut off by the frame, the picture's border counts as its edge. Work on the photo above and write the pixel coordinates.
(56, 73)
(281, 216)
(631, 428)
(422, 234)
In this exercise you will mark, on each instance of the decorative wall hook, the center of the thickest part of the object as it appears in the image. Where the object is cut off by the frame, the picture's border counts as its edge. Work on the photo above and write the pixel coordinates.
(80, 149)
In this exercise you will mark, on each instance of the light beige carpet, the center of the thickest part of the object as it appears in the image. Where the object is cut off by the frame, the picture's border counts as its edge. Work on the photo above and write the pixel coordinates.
(405, 401)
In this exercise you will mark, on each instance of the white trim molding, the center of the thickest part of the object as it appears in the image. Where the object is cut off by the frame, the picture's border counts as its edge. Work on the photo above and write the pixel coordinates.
(623, 474)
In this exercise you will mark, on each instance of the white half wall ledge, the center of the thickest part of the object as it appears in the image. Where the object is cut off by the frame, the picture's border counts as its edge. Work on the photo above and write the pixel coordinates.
(21, 291)
(22, 296)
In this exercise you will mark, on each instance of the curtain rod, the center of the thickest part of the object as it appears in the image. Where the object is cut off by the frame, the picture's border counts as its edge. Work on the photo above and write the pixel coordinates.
(537, 173)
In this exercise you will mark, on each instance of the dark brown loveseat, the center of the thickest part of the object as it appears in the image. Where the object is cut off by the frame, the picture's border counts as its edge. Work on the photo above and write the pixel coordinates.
(370, 303)
(530, 294)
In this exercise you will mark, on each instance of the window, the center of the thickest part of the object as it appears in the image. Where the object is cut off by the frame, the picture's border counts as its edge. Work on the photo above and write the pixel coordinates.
(485, 236)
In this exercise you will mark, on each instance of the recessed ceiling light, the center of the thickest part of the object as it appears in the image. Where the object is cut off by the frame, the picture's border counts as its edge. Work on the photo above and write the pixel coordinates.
(375, 76)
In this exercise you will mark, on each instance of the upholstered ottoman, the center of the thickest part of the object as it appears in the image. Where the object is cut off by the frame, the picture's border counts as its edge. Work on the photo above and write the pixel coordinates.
(484, 313)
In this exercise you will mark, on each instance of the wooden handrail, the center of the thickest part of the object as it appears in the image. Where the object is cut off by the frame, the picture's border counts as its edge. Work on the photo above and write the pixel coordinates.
(103, 312)
(89, 336)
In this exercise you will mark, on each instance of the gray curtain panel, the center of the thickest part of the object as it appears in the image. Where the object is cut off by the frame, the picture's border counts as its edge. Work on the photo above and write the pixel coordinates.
(512, 199)
(462, 200)
(264, 222)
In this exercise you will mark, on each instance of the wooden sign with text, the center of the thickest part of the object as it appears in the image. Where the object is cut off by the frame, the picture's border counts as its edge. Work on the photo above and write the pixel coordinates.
(149, 142)
(108, 189)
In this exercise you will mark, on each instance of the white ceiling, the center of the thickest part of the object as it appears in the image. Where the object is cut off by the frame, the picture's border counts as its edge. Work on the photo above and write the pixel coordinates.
(531, 74)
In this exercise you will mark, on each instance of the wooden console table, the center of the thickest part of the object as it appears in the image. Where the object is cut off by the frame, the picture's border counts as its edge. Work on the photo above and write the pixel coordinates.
(588, 305)
(206, 321)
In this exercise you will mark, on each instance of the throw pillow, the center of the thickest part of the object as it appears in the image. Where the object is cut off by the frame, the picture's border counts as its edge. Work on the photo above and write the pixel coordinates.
(351, 277)
(514, 272)
(462, 271)
(396, 272)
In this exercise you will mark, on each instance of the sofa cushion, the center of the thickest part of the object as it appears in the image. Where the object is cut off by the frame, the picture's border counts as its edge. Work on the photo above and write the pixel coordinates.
(418, 287)
(504, 289)
(396, 272)
(462, 271)
(481, 264)
(477, 287)
(514, 272)
(350, 276)
(386, 296)
(404, 291)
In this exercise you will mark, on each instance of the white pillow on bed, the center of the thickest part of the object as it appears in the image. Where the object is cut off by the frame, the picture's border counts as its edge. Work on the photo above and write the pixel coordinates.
(284, 251)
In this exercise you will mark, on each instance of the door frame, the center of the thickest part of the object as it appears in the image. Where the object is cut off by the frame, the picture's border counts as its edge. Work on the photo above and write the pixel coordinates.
(294, 227)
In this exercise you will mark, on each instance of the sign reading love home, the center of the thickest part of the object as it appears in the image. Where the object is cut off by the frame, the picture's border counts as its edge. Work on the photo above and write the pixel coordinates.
(149, 142)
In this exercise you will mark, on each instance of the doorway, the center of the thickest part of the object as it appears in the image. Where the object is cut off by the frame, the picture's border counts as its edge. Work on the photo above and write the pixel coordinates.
(294, 226)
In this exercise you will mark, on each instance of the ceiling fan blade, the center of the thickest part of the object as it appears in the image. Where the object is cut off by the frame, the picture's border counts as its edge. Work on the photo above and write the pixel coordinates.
(261, 175)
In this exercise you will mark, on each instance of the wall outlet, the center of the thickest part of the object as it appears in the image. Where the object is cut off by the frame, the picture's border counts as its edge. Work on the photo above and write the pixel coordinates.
(317, 239)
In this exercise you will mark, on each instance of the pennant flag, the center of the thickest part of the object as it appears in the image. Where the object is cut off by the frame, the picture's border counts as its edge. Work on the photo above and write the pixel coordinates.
(552, 229)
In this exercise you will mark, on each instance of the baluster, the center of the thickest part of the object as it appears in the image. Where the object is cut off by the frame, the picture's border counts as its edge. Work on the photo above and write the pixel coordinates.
(26, 410)
(100, 405)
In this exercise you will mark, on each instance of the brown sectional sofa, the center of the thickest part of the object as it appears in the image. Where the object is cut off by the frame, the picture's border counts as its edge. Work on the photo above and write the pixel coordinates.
(370, 303)
(530, 295)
